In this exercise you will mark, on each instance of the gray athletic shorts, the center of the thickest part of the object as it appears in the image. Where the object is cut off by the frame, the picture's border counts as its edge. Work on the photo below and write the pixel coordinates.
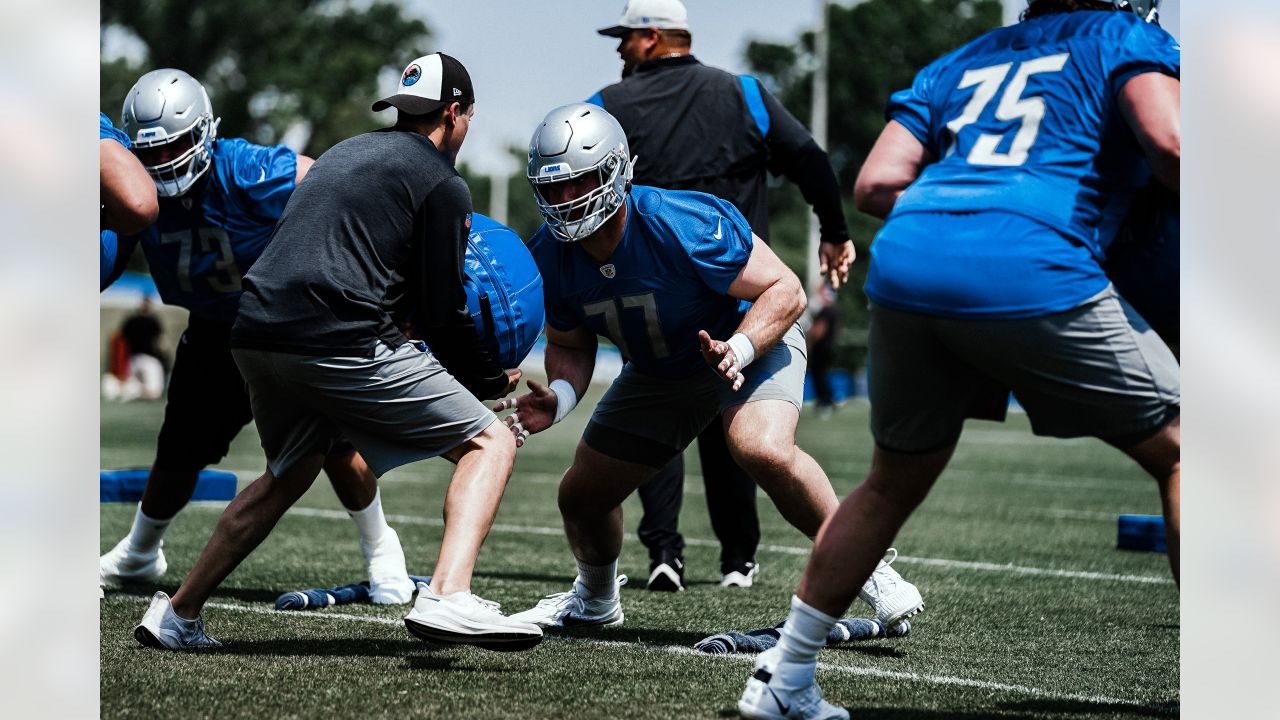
(648, 420)
(396, 407)
(1095, 370)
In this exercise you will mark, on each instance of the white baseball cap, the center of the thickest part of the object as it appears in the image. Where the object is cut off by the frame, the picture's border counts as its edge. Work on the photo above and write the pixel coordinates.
(640, 14)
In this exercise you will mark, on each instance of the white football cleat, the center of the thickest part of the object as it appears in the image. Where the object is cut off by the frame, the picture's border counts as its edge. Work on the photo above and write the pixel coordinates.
(389, 582)
(892, 598)
(464, 619)
(765, 699)
(576, 608)
(122, 565)
(162, 629)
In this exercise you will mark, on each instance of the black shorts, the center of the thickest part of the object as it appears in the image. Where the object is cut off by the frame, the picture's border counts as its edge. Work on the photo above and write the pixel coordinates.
(207, 404)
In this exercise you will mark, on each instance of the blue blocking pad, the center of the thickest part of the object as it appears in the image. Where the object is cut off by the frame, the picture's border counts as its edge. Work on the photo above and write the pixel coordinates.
(127, 485)
(1141, 532)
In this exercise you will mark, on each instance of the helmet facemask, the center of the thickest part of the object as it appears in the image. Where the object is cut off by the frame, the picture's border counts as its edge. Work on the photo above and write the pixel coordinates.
(576, 219)
(175, 177)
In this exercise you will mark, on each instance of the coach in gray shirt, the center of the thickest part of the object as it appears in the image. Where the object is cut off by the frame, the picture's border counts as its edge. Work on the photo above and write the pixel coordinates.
(370, 244)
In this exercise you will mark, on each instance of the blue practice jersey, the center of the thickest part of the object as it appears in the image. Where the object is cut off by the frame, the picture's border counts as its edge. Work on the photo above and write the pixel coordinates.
(1025, 121)
(667, 279)
(199, 254)
(110, 247)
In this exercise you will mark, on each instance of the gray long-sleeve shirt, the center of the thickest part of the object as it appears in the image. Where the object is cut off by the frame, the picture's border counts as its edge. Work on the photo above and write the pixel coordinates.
(373, 237)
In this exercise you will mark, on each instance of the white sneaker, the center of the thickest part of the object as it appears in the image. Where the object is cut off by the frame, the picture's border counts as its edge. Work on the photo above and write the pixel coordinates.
(763, 699)
(162, 629)
(892, 598)
(464, 619)
(122, 565)
(389, 582)
(576, 608)
(742, 577)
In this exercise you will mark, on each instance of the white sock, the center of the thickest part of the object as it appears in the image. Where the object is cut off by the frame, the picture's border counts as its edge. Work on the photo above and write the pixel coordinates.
(370, 521)
(803, 635)
(598, 580)
(146, 534)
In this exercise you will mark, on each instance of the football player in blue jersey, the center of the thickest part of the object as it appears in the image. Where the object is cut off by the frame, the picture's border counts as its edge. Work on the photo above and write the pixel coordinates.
(220, 199)
(1001, 171)
(662, 275)
(128, 198)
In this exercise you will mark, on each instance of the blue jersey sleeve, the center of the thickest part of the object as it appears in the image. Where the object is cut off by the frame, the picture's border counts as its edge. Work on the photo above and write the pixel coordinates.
(265, 175)
(107, 131)
(720, 247)
(910, 107)
(1146, 48)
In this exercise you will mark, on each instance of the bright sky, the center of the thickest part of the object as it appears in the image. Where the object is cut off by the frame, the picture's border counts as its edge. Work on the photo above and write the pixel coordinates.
(528, 56)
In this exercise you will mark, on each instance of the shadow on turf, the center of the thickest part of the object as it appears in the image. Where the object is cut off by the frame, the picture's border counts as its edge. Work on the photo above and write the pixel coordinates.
(1039, 709)
(626, 633)
(316, 647)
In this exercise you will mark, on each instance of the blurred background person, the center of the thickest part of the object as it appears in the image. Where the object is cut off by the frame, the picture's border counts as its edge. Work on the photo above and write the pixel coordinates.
(824, 328)
(138, 366)
(695, 127)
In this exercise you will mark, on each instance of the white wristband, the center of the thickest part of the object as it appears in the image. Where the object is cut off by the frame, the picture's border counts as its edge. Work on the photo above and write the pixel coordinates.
(742, 349)
(566, 398)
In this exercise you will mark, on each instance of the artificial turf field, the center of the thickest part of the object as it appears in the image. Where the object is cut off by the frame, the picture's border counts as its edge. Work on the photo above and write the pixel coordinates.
(1030, 610)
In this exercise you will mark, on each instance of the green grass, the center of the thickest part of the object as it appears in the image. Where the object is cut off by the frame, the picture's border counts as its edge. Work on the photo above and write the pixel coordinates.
(995, 642)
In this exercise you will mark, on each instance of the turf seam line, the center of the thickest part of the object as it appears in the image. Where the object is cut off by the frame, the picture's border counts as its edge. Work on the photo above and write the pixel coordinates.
(1168, 708)
(783, 549)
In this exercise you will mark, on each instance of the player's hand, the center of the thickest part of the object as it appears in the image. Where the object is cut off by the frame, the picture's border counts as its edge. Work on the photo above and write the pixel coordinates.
(834, 260)
(534, 411)
(513, 379)
(722, 359)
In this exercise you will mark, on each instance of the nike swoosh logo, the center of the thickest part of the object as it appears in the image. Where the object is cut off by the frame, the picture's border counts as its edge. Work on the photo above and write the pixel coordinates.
(719, 221)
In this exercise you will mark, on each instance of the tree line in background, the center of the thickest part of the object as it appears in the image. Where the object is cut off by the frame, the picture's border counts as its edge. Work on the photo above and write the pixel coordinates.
(307, 68)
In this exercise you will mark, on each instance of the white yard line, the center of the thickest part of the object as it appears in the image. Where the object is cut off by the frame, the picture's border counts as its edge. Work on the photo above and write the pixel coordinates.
(860, 671)
(783, 549)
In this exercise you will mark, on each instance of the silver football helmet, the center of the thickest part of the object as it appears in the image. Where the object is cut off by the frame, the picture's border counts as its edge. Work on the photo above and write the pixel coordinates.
(574, 140)
(165, 107)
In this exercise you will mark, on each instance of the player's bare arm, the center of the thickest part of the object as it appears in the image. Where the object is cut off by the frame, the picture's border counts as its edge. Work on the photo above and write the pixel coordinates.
(1150, 104)
(129, 201)
(570, 360)
(895, 162)
(778, 300)
(304, 165)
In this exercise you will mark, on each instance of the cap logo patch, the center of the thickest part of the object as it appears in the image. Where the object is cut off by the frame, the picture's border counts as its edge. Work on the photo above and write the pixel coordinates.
(609, 271)
(456, 92)
(411, 75)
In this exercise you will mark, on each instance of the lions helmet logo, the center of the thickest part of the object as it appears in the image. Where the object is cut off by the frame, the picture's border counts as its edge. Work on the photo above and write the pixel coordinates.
(609, 271)
(411, 75)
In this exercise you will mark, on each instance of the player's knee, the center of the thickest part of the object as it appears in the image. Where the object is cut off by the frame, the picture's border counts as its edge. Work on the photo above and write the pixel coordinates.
(497, 441)
(761, 457)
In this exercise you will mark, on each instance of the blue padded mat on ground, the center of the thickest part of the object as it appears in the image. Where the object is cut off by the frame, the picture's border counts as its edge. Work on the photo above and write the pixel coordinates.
(127, 485)
(1141, 532)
